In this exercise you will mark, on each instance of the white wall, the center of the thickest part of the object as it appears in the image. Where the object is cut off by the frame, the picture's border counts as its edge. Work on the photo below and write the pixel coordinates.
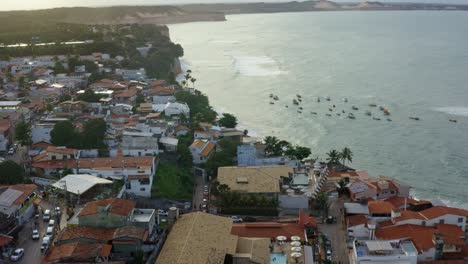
(3, 143)
(358, 231)
(41, 133)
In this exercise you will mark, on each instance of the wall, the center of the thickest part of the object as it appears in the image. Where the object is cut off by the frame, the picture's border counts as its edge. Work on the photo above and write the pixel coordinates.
(41, 133)
(358, 231)
(136, 188)
(3, 142)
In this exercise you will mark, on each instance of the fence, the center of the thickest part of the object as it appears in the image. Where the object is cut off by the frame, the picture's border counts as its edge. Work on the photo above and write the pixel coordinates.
(42, 181)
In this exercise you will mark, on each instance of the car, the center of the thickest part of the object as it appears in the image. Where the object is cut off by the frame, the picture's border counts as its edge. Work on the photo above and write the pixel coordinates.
(58, 211)
(162, 212)
(50, 232)
(203, 206)
(205, 200)
(46, 215)
(250, 219)
(327, 243)
(15, 146)
(331, 219)
(45, 243)
(17, 254)
(51, 223)
(236, 219)
(11, 151)
(35, 235)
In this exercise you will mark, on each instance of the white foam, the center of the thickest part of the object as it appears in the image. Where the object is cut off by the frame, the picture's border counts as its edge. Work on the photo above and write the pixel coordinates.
(255, 66)
(453, 110)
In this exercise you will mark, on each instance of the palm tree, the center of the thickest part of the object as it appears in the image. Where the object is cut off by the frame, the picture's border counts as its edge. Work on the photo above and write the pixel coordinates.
(346, 155)
(321, 203)
(271, 142)
(193, 80)
(333, 157)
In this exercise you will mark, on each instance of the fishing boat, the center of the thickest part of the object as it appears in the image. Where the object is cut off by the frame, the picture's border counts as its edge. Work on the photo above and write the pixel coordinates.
(298, 95)
(453, 120)
(272, 103)
(300, 100)
(355, 107)
(286, 106)
(381, 108)
(328, 98)
(386, 112)
(328, 114)
(338, 114)
(414, 118)
(300, 108)
(389, 120)
(275, 97)
(343, 111)
(329, 109)
(372, 105)
(368, 113)
(351, 116)
(314, 113)
(295, 102)
(345, 100)
(376, 118)
(271, 95)
(318, 99)
(300, 112)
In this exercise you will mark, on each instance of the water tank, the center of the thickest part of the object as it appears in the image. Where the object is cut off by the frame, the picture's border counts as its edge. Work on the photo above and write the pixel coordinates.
(172, 214)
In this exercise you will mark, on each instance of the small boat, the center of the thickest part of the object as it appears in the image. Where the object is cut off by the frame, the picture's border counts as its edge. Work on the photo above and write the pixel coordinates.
(372, 105)
(329, 109)
(298, 95)
(453, 120)
(300, 112)
(275, 97)
(334, 106)
(376, 118)
(295, 102)
(343, 111)
(381, 108)
(300, 108)
(300, 100)
(272, 103)
(328, 114)
(318, 99)
(414, 118)
(368, 113)
(355, 107)
(351, 116)
(328, 98)
(345, 100)
(389, 120)
(386, 112)
(271, 95)
(286, 106)
(338, 114)
(314, 113)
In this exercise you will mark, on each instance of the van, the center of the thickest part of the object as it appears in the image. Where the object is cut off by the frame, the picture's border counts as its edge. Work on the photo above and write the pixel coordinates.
(45, 243)
(51, 223)
(50, 232)
(46, 216)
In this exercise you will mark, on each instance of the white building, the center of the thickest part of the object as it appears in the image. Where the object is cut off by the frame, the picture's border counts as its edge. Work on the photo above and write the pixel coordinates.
(17, 200)
(176, 108)
(201, 150)
(142, 143)
(384, 251)
(41, 131)
(250, 155)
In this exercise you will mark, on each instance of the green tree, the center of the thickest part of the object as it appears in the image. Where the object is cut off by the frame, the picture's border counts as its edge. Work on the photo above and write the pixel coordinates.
(221, 158)
(298, 152)
(93, 134)
(322, 204)
(89, 96)
(64, 134)
(200, 109)
(185, 156)
(59, 68)
(11, 173)
(21, 82)
(9, 77)
(228, 120)
(346, 155)
(271, 142)
(65, 97)
(333, 157)
(23, 133)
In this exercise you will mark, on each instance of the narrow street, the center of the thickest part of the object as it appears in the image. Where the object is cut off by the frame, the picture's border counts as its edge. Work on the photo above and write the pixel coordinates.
(197, 192)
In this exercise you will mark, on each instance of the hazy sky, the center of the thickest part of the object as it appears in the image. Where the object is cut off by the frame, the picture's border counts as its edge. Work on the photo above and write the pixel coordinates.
(42, 4)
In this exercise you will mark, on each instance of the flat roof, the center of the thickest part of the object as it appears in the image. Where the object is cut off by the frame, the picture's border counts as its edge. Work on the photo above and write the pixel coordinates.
(198, 238)
(79, 183)
(9, 196)
(356, 208)
(253, 179)
(9, 103)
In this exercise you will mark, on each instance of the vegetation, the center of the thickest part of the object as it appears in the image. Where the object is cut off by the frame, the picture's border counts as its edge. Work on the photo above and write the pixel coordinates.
(337, 158)
(183, 150)
(11, 173)
(322, 204)
(89, 96)
(228, 120)
(200, 109)
(276, 147)
(23, 133)
(224, 157)
(65, 134)
(172, 182)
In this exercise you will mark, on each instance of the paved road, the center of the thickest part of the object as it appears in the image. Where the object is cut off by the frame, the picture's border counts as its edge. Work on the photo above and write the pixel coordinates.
(197, 192)
(336, 233)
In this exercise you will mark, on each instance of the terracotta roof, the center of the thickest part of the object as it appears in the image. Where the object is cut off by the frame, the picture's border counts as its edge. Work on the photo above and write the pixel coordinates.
(131, 232)
(60, 150)
(27, 190)
(39, 156)
(197, 143)
(380, 207)
(116, 206)
(267, 230)
(180, 128)
(161, 91)
(5, 240)
(452, 234)
(408, 214)
(355, 220)
(103, 235)
(437, 211)
(385, 223)
(157, 83)
(78, 251)
(209, 147)
(97, 163)
(41, 144)
(127, 93)
(400, 201)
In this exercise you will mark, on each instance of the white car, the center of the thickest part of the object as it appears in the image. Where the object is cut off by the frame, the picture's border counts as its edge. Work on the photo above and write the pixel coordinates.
(35, 234)
(45, 243)
(162, 212)
(17, 254)
(236, 219)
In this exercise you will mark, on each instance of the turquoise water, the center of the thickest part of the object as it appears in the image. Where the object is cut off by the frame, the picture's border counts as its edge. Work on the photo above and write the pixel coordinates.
(277, 259)
(413, 63)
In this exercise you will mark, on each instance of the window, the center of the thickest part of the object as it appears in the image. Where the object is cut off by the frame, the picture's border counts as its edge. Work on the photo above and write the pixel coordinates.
(392, 192)
(128, 185)
(423, 223)
(53, 157)
(441, 221)
(142, 189)
(460, 220)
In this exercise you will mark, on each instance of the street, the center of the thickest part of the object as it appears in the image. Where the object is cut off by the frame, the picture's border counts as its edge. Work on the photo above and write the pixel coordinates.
(197, 192)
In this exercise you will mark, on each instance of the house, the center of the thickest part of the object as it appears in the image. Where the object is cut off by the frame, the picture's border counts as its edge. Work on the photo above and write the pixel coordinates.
(9, 106)
(255, 179)
(380, 210)
(377, 189)
(201, 150)
(162, 95)
(254, 155)
(5, 125)
(181, 130)
(145, 108)
(383, 251)
(127, 74)
(357, 226)
(208, 135)
(169, 144)
(78, 185)
(56, 153)
(137, 171)
(76, 107)
(40, 131)
(78, 253)
(176, 108)
(112, 212)
(137, 144)
(127, 96)
(143, 218)
(17, 200)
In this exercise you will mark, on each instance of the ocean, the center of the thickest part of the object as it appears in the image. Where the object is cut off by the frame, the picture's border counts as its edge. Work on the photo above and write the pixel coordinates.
(414, 63)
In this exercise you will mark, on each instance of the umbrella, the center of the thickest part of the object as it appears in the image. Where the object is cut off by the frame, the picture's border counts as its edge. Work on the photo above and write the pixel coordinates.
(297, 249)
(281, 238)
(296, 255)
(296, 244)
(295, 238)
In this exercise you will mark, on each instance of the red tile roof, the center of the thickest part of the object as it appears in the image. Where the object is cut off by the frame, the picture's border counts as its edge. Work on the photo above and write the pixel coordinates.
(127, 93)
(267, 230)
(437, 211)
(452, 234)
(380, 207)
(400, 201)
(61, 150)
(208, 149)
(93, 163)
(5, 240)
(27, 190)
(161, 91)
(103, 235)
(115, 205)
(408, 214)
(355, 220)
(78, 251)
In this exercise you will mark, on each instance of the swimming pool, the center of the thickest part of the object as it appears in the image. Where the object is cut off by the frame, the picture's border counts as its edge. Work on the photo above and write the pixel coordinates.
(277, 259)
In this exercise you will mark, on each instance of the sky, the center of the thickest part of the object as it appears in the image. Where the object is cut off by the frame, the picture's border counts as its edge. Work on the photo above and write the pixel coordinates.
(43, 4)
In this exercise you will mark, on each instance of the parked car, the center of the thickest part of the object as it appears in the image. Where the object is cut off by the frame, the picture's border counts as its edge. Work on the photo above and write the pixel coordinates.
(51, 223)
(57, 211)
(46, 215)
(35, 234)
(250, 219)
(11, 151)
(50, 232)
(17, 254)
(328, 254)
(236, 219)
(45, 243)
(162, 212)
(331, 219)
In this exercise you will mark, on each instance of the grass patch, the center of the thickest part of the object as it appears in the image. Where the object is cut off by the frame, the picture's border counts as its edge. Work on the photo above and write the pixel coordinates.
(172, 182)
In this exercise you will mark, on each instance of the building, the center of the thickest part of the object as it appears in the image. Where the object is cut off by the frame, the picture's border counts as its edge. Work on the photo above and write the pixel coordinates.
(40, 131)
(254, 155)
(138, 172)
(9, 106)
(176, 108)
(383, 251)
(127, 74)
(112, 212)
(377, 189)
(139, 144)
(126, 97)
(162, 95)
(254, 179)
(5, 126)
(202, 150)
(56, 153)
(357, 226)
(17, 200)
(169, 143)
(181, 130)
(79, 184)
(143, 218)
(78, 253)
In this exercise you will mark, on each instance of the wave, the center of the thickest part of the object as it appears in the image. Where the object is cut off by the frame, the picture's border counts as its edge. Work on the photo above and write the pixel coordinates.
(254, 66)
(453, 110)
